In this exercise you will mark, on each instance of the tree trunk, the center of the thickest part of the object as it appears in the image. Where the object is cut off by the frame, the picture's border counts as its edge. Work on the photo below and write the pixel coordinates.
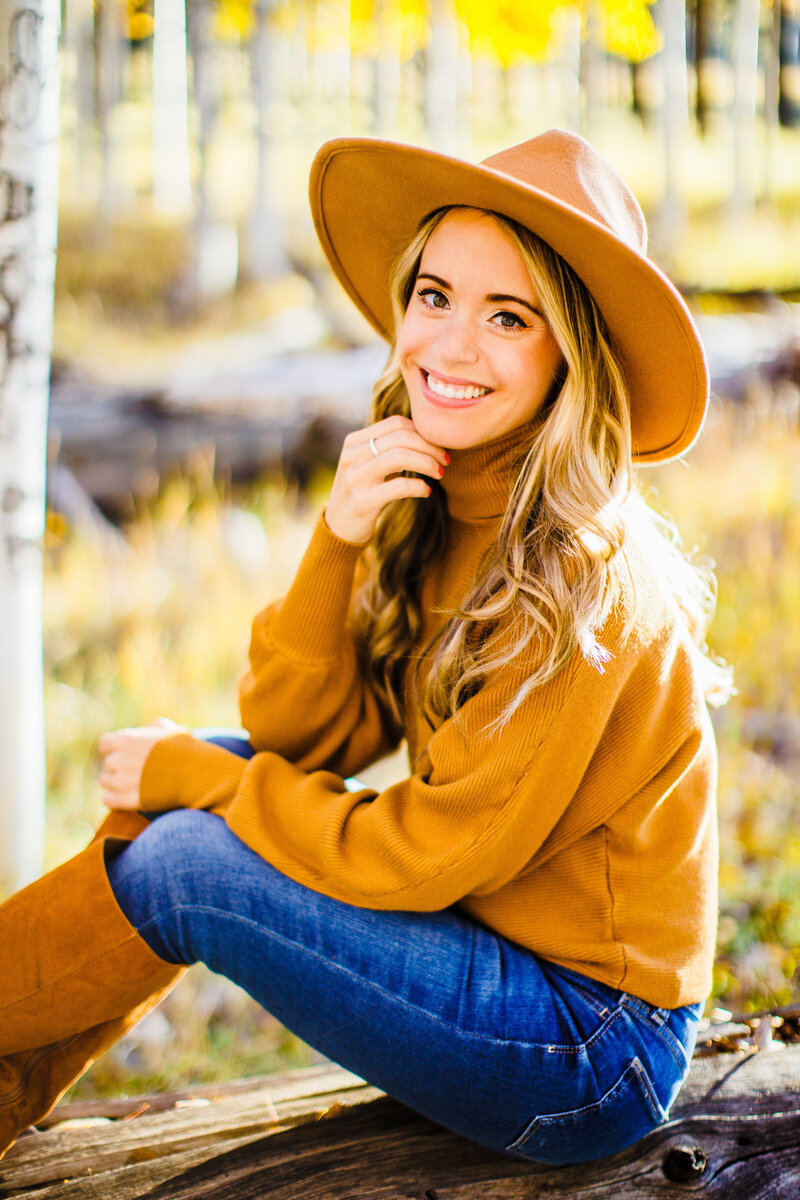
(172, 189)
(265, 253)
(745, 74)
(77, 85)
(109, 65)
(592, 70)
(387, 73)
(790, 63)
(700, 55)
(771, 98)
(441, 78)
(29, 83)
(674, 117)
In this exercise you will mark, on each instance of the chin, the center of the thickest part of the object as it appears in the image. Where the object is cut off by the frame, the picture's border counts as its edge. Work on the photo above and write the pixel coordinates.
(453, 430)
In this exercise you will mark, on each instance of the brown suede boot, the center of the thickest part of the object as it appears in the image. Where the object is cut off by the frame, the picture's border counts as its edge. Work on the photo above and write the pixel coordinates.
(77, 977)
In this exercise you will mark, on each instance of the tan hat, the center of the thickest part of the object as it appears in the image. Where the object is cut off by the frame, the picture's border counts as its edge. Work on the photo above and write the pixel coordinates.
(369, 198)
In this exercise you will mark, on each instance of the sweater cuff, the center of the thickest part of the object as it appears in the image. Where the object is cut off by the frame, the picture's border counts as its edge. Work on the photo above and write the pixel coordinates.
(309, 622)
(184, 772)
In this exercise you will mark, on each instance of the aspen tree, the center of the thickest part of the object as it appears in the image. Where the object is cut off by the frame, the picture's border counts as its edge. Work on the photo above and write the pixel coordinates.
(29, 84)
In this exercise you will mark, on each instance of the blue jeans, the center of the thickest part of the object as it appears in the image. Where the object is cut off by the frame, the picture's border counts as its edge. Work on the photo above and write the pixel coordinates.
(460, 1024)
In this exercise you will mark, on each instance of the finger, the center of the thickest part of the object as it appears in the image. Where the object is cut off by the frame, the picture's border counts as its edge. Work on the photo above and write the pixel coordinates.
(107, 742)
(403, 435)
(123, 776)
(118, 800)
(114, 761)
(404, 459)
(401, 488)
(111, 783)
(383, 427)
(395, 428)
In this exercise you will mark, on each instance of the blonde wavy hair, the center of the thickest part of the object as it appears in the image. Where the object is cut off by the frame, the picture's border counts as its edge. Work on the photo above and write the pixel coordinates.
(551, 577)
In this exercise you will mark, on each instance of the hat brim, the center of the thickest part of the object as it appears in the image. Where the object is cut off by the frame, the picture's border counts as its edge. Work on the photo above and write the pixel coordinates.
(369, 198)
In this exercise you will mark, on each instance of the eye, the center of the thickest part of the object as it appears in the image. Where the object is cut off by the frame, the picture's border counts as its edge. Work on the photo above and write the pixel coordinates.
(432, 297)
(509, 320)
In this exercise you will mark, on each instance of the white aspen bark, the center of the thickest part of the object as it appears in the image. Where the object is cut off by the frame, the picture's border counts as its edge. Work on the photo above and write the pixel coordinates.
(771, 98)
(77, 102)
(592, 70)
(29, 94)
(673, 117)
(109, 67)
(441, 78)
(569, 70)
(464, 111)
(172, 188)
(745, 75)
(266, 256)
(210, 266)
(387, 74)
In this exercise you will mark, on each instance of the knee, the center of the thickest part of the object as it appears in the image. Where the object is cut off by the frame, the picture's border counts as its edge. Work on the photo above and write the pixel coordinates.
(175, 838)
(168, 858)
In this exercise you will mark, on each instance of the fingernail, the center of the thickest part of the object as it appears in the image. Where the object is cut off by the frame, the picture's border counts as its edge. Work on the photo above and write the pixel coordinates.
(429, 490)
(441, 472)
(447, 458)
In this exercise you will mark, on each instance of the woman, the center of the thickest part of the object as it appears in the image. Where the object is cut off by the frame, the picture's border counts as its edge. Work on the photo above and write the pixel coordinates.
(516, 939)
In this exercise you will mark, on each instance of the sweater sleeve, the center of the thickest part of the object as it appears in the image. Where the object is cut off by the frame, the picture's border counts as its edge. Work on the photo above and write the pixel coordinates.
(303, 696)
(471, 818)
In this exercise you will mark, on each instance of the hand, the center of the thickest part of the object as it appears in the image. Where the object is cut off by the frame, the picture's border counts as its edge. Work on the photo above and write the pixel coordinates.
(124, 753)
(365, 482)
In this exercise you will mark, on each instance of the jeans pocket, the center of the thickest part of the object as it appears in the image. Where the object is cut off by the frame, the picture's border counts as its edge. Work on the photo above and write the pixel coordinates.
(623, 1115)
(676, 1029)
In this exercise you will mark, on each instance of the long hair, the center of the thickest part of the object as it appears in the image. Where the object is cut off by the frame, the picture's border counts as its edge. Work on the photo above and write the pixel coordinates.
(551, 577)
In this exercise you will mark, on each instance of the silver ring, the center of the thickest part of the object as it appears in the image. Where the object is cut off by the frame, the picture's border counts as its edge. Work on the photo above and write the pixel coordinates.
(373, 447)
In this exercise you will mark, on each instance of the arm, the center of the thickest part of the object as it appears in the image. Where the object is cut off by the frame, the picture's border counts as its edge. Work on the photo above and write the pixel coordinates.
(303, 696)
(473, 817)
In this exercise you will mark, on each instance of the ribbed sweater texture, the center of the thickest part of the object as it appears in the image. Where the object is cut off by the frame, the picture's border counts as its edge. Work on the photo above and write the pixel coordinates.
(585, 831)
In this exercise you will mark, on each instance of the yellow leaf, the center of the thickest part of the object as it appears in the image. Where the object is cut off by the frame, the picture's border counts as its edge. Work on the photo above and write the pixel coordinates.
(234, 20)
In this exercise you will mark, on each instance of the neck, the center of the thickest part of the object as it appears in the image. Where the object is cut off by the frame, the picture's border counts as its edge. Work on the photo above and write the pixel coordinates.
(479, 479)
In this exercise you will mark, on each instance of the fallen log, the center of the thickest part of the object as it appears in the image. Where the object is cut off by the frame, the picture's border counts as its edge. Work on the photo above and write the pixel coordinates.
(734, 1133)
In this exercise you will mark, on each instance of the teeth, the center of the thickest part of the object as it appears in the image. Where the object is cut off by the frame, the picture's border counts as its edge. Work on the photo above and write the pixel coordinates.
(455, 393)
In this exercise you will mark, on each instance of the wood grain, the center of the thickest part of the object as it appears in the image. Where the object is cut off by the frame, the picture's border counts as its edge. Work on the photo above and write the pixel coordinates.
(323, 1134)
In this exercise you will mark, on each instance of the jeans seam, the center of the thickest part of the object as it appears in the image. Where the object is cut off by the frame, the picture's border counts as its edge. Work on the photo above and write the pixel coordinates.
(650, 1093)
(201, 908)
(554, 1048)
(650, 1098)
(674, 1046)
(659, 1027)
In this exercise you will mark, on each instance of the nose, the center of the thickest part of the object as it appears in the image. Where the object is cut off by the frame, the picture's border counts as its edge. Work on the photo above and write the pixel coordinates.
(457, 341)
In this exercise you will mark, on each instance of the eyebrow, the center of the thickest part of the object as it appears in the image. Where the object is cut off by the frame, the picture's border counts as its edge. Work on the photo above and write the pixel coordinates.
(494, 297)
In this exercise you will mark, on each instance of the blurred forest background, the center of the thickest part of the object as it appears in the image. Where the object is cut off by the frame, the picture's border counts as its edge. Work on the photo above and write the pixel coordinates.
(206, 366)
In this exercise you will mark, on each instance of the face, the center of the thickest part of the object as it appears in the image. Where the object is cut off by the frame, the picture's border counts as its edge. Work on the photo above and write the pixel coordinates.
(476, 353)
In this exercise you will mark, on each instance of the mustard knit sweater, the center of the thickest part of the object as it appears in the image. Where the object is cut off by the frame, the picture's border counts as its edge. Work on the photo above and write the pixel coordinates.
(586, 831)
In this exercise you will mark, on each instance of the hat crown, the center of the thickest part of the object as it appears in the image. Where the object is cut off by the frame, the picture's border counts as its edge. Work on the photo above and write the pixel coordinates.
(569, 169)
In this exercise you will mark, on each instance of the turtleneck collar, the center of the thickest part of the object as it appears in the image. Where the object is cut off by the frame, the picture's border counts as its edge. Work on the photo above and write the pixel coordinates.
(478, 480)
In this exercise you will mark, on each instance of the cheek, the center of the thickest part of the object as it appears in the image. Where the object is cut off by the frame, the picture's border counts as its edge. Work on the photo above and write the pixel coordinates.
(549, 359)
(409, 336)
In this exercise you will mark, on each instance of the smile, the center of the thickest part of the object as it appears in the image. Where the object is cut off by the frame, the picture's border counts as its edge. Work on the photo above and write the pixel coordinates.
(443, 390)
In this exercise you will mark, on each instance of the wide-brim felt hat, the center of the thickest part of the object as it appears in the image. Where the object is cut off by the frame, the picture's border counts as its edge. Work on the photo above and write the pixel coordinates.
(369, 198)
